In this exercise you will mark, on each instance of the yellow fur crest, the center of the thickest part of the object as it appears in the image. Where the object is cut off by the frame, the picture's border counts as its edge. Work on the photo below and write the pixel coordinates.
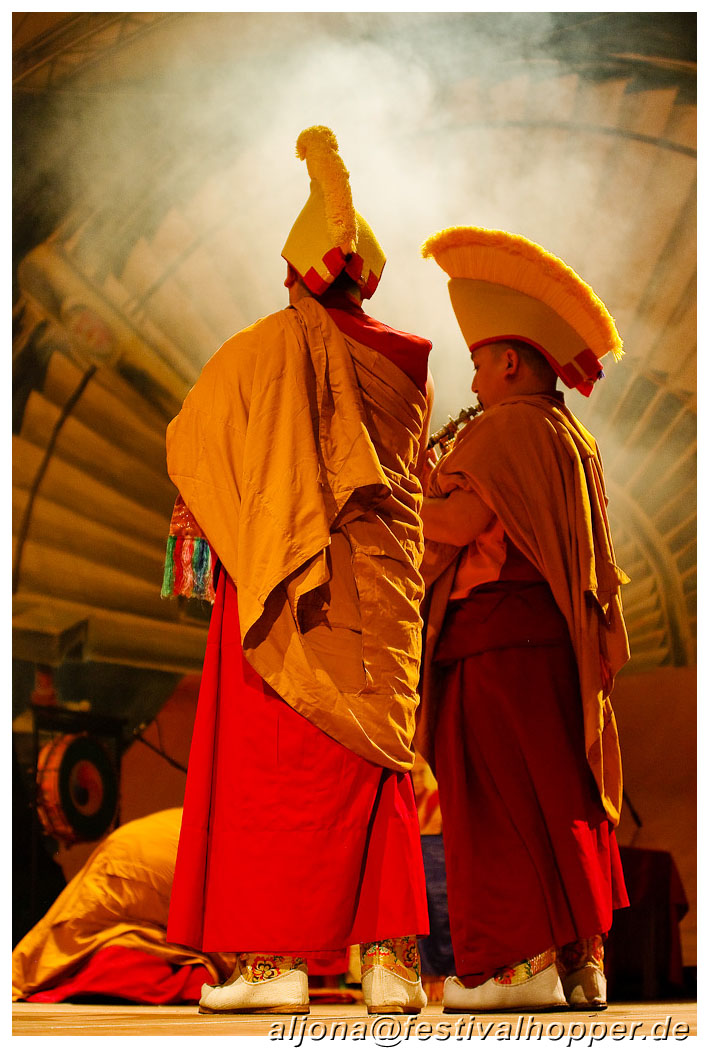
(513, 261)
(318, 147)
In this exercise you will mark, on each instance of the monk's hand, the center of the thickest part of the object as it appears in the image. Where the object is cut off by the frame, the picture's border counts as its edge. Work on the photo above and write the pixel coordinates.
(457, 518)
(429, 462)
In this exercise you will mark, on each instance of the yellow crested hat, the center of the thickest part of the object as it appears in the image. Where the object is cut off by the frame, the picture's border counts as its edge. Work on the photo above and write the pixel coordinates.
(503, 286)
(329, 236)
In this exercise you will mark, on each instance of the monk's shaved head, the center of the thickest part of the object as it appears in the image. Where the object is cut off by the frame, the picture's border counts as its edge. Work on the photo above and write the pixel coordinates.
(537, 363)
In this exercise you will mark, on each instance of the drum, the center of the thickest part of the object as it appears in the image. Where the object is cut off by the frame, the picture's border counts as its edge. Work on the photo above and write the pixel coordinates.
(77, 788)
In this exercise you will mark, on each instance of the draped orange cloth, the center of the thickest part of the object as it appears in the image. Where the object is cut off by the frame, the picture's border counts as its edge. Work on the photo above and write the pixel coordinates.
(533, 463)
(294, 452)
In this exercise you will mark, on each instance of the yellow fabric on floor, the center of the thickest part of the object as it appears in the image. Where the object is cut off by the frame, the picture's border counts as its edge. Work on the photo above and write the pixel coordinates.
(119, 898)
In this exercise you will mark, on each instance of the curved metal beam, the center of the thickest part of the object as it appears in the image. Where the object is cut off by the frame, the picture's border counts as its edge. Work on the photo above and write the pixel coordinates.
(664, 568)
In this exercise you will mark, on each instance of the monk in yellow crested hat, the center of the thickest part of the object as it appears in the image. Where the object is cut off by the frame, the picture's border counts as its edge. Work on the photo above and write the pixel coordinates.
(503, 286)
(524, 636)
(297, 456)
(329, 237)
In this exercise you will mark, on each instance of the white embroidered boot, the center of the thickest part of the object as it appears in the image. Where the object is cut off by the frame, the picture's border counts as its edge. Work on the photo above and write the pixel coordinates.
(531, 984)
(582, 976)
(391, 977)
(260, 983)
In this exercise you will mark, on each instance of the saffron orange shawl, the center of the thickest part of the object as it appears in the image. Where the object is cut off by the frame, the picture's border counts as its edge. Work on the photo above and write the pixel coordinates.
(533, 463)
(294, 452)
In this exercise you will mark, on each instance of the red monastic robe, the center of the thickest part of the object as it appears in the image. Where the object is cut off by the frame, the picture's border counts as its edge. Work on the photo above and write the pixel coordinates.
(291, 841)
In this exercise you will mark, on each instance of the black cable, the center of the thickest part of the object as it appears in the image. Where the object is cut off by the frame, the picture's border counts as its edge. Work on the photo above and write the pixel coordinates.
(63, 416)
(633, 812)
(165, 757)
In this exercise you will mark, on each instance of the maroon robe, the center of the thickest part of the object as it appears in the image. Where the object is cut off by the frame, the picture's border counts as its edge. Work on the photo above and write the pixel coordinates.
(531, 858)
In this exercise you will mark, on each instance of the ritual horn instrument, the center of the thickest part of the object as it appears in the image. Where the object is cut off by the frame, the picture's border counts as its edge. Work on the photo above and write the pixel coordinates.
(444, 436)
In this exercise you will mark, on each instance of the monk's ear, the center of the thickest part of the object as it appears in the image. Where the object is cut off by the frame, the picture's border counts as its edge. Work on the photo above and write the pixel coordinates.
(511, 359)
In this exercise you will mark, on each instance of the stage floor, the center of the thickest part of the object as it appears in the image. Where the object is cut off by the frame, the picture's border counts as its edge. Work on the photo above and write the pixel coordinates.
(652, 1021)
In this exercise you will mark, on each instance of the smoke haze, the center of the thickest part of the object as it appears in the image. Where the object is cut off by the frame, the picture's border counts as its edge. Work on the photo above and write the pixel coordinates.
(442, 119)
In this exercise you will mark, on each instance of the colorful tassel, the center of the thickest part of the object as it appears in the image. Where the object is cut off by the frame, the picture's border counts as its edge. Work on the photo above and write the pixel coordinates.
(189, 559)
(189, 568)
(202, 570)
(179, 567)
(168, 578)
(187, 587)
